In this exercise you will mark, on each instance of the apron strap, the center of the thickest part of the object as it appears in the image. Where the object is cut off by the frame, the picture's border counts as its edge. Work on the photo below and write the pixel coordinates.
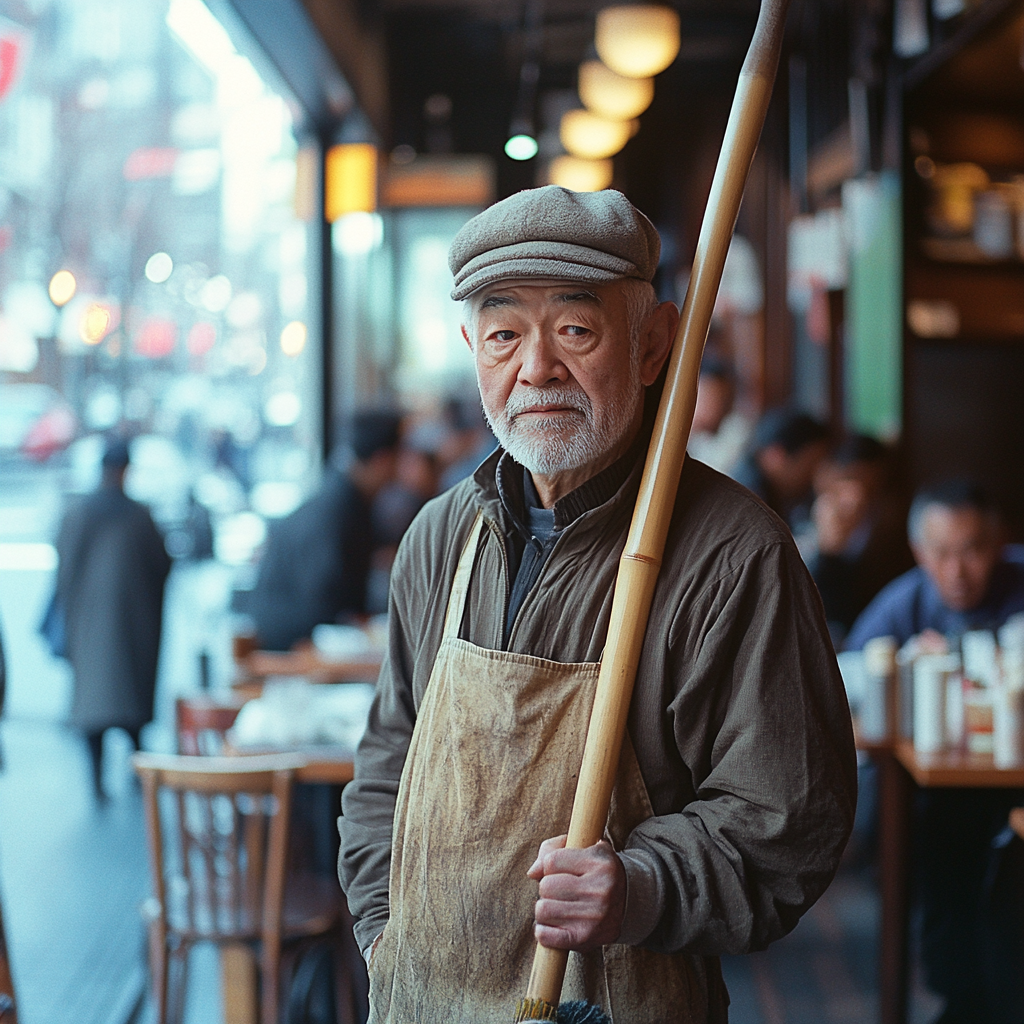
(460, 585)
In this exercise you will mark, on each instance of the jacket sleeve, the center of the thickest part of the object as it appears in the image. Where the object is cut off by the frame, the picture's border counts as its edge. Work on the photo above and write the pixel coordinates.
(368, 802)
(760, 720)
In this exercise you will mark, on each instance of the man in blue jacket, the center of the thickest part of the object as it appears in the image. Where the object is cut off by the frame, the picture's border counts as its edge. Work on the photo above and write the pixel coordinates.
(971, 877)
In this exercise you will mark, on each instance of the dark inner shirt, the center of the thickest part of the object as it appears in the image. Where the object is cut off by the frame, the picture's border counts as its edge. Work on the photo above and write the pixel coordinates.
(543, 534)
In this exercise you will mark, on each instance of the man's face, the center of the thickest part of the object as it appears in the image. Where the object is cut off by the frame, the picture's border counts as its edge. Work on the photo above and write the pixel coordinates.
(714, 403)
(958, 548)
(560, 382)
(792, 474)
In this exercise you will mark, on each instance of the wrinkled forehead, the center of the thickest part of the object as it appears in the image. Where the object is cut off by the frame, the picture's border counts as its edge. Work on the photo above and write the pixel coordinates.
(523, 293)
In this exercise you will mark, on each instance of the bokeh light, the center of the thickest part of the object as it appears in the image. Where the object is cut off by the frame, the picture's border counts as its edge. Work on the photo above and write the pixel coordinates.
(159, 267)
(95, 324)
(521, 147)
(293, 338)
(62, 287)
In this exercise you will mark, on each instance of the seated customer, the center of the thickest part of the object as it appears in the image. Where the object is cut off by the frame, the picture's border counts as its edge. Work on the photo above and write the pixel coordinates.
(970, 882)
(859, 542)
(963, 579)
(720, 433)
(317, 560)
(788, 448)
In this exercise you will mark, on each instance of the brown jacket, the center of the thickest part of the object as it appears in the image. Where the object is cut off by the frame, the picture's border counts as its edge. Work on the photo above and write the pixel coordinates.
(739, 718)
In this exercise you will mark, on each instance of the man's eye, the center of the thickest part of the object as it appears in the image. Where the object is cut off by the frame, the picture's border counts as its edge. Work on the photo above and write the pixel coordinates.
(504, 335)
(576, 330)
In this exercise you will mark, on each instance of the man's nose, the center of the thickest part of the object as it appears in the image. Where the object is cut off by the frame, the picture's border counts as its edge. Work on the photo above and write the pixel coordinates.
(542, 362)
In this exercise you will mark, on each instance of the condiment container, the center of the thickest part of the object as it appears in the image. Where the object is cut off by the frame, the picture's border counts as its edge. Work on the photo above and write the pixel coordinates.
(930, 674)
(879, 707)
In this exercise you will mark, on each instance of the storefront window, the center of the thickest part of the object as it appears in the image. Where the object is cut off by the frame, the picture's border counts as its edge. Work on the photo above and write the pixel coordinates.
(157, 246)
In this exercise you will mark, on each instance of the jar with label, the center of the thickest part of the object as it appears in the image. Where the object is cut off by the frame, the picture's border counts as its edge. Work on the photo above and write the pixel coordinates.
(977, 718)
(879, 704)
(931, 675)
(1008, 711)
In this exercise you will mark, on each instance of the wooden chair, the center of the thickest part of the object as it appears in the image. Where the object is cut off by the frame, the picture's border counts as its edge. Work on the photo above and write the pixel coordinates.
(218, 838)
(201, 722)
(8, 1011)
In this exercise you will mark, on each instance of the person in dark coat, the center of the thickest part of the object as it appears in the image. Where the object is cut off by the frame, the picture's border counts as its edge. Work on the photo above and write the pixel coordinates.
(859, 543)
(110, 583)
(787, 450)
(317, 560)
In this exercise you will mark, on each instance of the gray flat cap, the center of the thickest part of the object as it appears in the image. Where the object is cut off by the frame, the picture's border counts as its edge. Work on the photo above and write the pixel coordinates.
(552, 233)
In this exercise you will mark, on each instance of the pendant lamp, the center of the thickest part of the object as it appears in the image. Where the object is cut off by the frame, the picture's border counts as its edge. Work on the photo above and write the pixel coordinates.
(607, 94)
(637, 41)
(579, 175)
(586, 135)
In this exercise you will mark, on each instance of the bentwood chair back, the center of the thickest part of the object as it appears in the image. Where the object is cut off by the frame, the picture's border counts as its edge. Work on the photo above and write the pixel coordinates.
(8, 1011)
(201, 723)
(218, 838)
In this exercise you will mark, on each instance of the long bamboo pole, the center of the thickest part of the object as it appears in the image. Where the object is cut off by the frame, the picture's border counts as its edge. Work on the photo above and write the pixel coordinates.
(645, 544)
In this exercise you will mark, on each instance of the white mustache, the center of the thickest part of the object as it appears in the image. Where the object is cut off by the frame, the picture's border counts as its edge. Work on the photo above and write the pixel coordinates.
(566, 397)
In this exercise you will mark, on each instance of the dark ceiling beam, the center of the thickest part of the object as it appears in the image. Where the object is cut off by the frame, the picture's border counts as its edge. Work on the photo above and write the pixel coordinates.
(361, 53)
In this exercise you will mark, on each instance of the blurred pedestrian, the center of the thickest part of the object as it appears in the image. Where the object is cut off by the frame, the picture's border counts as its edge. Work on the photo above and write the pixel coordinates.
(859, 541)
(787, 450)
(469, 442)
(110, 585)
(317, 560)
(720, 433)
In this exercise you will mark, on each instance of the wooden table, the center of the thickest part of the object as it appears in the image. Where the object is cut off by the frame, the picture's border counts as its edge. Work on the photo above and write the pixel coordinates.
(900, 768)
(306, 661)
(320, 764)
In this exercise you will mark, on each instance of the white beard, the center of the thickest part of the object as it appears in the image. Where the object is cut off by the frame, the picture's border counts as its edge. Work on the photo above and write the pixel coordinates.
(547, 445)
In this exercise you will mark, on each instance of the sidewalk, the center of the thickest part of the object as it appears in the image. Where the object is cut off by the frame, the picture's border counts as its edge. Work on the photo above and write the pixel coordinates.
(72, 876)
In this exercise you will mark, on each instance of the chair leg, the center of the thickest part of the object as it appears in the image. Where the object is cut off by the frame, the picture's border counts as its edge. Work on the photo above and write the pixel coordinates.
(239, 983)
(158, 968)
(270, 970)
(177, 984)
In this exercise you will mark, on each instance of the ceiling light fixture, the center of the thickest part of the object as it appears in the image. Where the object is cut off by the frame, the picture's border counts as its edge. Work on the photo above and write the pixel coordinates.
(579, 175)
(586, 135)
(608, 94)
(522, 136)
(637, 41)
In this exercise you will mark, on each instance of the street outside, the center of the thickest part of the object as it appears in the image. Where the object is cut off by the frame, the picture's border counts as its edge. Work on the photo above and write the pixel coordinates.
(74, 875)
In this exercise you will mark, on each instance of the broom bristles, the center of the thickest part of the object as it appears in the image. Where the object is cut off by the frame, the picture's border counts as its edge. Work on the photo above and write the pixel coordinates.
(576, 1012)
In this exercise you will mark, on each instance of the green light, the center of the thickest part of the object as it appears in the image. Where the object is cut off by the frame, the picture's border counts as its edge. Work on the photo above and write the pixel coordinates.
(521, 147)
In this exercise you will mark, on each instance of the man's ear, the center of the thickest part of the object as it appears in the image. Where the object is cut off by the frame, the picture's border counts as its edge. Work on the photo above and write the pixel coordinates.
(465, 334)
(656, 344)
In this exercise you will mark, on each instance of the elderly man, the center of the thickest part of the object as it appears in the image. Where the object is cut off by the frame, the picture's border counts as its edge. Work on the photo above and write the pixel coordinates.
(735, 790)
(971, 881)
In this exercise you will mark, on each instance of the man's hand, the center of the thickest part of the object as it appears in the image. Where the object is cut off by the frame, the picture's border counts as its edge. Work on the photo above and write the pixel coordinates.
(582, 895)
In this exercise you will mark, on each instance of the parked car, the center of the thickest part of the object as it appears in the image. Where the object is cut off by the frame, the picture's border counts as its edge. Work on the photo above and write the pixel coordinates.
(35, 422)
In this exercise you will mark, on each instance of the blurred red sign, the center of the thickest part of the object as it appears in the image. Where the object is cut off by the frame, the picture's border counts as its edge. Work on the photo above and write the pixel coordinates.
(156, 338)
(150, 162)
(13, 48)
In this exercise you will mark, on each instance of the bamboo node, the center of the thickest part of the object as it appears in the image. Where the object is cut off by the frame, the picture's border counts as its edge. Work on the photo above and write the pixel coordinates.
(645, 559)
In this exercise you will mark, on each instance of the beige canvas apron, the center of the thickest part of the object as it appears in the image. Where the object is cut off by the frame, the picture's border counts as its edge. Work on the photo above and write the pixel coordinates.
(491, 772)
